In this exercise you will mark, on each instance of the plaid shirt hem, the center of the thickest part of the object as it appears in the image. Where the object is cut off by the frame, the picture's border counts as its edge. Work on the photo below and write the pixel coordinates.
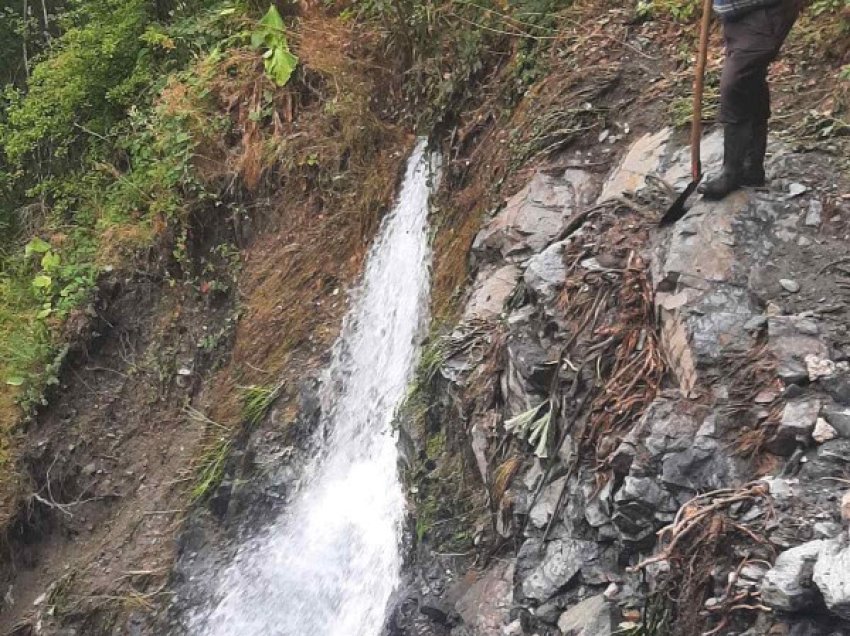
(727, 9)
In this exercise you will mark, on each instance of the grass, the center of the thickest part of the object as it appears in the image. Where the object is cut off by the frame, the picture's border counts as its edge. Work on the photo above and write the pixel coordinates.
(210, 470)
(257, 400)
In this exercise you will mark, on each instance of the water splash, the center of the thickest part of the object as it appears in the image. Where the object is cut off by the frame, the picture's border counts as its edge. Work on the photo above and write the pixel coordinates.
(328, 566)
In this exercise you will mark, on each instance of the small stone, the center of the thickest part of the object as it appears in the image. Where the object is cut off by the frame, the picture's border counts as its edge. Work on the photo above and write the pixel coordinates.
(823, 431)
(789, 285)
(804, 241)
(796, 189)
(90, 469)
(826, 529)
(798, 421)
(765, 397)
(832, 576)
(813, 214)
(788, 584)
(818, 367)
(756, 323)
(592, 617)
(838, 417)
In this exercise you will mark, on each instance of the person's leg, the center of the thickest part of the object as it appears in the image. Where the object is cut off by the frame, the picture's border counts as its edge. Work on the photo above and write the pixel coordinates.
(744, 73)
(754, 174)
(752, 43)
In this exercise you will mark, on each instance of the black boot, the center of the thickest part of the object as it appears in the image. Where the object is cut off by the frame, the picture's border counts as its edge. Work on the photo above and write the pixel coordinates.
(736, 144)
(754, 163)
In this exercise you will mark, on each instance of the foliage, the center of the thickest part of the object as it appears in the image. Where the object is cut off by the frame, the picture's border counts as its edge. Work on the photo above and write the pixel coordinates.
(447, 49)
(97, 157)
(278, 60)
(678, 10)
(211, 468)
(256, 402)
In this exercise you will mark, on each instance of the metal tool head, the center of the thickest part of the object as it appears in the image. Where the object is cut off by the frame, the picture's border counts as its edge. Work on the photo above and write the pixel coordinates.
(678, 209)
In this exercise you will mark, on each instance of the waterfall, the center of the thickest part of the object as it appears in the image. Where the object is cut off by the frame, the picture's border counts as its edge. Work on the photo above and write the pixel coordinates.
(329, 564)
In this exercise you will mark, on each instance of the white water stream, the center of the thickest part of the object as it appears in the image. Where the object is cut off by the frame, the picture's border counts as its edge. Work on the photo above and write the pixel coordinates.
(329, 564)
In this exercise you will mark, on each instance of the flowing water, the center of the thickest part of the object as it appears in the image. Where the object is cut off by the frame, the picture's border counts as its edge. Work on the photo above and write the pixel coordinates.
(329, 564)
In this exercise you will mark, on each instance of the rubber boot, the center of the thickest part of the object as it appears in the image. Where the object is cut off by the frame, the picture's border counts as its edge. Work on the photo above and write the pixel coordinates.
(736, 145)
(754, 163)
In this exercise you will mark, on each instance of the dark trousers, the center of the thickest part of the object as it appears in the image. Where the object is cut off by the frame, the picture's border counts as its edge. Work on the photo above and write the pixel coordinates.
(752, 43)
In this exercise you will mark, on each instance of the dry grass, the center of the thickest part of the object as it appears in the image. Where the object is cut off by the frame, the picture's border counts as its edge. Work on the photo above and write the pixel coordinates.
(331, 166)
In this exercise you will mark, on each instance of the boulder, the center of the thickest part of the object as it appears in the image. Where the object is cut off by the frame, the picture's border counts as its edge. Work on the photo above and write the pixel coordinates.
(542, 578)
(832, 576)
(544, 507)
(798, 421)
(838, 417)
(486, 606)
(595, 616)
(823, 431)
(791, 339)
(534, 216)
(788, 584)
(545, 273)
(491, 291)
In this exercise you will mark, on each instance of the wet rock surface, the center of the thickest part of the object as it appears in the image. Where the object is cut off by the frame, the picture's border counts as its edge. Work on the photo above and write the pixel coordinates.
(748, 433)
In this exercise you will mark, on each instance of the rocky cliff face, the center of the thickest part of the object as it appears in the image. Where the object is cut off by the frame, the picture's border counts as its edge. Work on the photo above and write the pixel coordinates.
(659, 420)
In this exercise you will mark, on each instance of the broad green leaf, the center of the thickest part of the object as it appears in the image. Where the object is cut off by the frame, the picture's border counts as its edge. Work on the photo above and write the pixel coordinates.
(280, 64)
(50, 260)
(37, 246)
(14, 380)
(272, 19)
(44, 313)
(42, 281)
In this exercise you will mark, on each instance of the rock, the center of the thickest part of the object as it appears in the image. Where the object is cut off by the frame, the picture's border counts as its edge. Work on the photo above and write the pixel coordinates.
(818, 367)
(534, 217)
(828, 529)
(765, 397)
(796, 189)
(832, 576)
(597, 511)
(838, 386)
(435, 609)
(486, 606)
(491, 290)
(751, 575)
(595, 616)
(756, 323)
(845, 507)
(562, 561)
(531, 361)
(829, 460)
(789, 285)
(823, 431)
(813, 214)
(544, 508)
(791, 339)
(798, 422)
(787, 586)
(642, 159)
(838, 417)
(545, 273)
(514, 629)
